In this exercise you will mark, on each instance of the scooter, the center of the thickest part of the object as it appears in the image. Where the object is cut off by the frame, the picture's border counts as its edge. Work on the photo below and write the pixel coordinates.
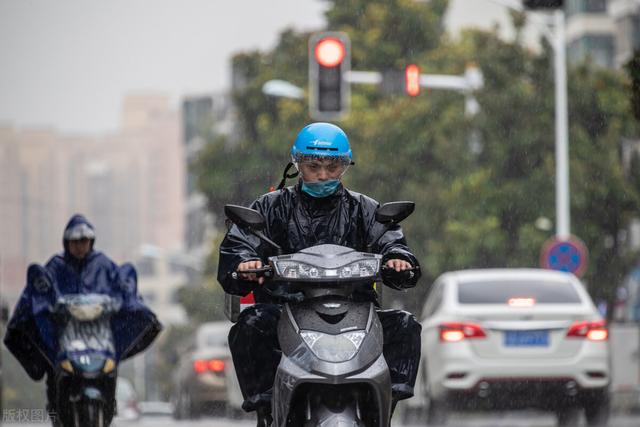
(86, 373)
(332, 371)
(81, 337)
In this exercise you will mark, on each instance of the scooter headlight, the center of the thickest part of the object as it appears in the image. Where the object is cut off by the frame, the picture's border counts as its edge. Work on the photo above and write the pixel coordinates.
(298, 270)
(88, 364)
(85, 312)
(334, 348)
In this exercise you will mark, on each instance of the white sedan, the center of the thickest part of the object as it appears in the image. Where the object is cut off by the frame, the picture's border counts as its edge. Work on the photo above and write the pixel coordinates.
(503, 339)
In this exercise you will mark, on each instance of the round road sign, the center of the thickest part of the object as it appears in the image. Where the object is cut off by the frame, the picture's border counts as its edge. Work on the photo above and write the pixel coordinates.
(565, 255)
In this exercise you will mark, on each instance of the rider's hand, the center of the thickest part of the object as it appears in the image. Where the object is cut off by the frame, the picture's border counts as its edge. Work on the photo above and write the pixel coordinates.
(398, 264)
(250, 265)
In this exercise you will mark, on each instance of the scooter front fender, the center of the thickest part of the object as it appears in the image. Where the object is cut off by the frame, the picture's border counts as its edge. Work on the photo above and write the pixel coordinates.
(290, 377)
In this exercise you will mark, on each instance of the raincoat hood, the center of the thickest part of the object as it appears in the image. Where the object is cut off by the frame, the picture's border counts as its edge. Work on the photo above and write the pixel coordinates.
(78, 227)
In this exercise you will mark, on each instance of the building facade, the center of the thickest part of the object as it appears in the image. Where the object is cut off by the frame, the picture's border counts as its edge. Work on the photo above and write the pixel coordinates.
(604, 32)
(130, 185)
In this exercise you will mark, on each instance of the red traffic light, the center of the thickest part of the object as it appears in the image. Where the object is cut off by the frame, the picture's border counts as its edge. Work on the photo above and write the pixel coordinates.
(412, 80)
(329, 52)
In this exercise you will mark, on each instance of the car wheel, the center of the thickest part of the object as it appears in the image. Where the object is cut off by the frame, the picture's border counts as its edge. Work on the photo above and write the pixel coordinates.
(179, 411)
(184, 407)
(437, 413)
(193, 409)
(568, 417)
(597, 411)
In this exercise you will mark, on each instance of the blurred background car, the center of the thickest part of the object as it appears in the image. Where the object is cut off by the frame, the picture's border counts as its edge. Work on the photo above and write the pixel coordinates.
(126, 401)
(503, 339)
(204, 377)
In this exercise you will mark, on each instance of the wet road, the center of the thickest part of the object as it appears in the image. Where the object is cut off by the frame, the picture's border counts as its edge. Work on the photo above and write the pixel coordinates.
(511, 419)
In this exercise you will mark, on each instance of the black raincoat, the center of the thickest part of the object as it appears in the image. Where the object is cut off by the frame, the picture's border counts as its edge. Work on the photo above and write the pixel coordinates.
(296, 221)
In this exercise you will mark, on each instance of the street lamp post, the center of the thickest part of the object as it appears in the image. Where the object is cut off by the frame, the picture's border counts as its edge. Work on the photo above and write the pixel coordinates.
(557, 40)
(563, 212)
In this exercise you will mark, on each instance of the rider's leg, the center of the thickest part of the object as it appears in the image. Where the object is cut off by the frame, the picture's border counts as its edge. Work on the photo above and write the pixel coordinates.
(401, 350)
(253, 341)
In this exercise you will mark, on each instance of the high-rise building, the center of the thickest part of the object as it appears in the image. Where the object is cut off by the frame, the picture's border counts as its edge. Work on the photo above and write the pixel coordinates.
(203, 117)
(130, 185)
(626, 18)
(603, 32)
(590, 32)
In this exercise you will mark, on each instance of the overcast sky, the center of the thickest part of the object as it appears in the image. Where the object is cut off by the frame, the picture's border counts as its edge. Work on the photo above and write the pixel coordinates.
(68, 63)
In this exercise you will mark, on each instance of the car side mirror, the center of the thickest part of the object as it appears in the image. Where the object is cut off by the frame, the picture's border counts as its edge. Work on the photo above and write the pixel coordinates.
(394, 212)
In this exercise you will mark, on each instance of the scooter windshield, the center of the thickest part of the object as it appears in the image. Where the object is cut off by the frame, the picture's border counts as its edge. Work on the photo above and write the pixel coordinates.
(91, 336)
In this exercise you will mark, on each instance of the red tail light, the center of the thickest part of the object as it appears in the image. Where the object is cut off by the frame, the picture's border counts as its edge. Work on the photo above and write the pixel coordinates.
(591, 330)
(216, 365)
(201, 366)
(458, 331)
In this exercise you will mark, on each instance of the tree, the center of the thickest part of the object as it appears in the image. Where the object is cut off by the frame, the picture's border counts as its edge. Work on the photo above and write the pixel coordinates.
(474, 208)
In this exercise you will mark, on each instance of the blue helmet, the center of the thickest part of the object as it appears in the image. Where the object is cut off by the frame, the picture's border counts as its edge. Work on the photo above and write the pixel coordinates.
(321, 140)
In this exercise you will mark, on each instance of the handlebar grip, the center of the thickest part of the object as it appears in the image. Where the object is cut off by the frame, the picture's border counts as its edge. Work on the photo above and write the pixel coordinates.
(410, 272)
(260, 272)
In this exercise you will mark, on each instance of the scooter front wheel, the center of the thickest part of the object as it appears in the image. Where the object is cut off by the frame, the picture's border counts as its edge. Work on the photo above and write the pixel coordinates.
(89, 414)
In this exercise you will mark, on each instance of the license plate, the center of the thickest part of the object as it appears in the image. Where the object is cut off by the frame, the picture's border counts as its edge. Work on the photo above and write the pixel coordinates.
(526, 338)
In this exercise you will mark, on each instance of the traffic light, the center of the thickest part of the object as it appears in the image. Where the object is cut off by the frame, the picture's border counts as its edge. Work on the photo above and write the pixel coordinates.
(329, 61)
(543, 4)
(412, 80)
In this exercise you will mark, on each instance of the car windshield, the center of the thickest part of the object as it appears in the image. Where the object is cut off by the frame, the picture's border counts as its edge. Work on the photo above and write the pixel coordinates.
(503, 291)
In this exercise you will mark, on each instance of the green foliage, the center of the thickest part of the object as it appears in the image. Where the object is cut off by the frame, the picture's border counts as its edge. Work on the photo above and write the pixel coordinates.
(204, 303)
(633, 69)
(475, 208)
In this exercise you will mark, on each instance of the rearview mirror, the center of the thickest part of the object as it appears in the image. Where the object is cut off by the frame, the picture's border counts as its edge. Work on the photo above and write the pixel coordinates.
(38, 276)
(245, 217)
(394, 212)
(250, 219)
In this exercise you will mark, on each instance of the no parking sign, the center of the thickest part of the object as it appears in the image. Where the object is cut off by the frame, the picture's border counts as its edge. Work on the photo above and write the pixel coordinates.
(569, 255)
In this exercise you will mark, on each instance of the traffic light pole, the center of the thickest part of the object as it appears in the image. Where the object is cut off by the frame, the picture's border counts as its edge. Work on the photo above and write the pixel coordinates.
(467, 83)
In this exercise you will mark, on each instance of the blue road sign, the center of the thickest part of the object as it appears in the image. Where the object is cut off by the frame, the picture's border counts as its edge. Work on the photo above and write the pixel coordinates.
(568, 255)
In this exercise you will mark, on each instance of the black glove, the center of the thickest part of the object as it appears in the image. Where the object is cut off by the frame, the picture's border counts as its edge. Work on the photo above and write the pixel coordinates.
(398, 279)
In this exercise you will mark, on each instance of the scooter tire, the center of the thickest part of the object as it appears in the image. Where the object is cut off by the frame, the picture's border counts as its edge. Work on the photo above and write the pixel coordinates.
(89, 414)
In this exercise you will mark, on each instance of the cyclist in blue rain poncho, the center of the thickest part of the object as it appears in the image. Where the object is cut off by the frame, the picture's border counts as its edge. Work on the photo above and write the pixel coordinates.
(31, 333)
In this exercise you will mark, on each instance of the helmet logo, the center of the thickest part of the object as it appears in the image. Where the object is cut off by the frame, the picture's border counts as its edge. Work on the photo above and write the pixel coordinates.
(319, 142)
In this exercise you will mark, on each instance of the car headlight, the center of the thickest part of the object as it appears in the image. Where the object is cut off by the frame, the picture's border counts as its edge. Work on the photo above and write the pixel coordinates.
(334, 348)
(85, 312)
(299, 270)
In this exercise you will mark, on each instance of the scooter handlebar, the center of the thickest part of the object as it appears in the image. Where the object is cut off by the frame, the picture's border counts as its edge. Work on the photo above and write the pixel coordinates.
(266, 271)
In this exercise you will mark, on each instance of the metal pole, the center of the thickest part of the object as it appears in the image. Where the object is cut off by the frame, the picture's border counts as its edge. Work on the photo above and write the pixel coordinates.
(563, 226)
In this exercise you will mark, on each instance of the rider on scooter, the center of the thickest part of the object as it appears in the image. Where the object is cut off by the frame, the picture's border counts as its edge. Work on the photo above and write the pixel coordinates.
(31, 334)
(318, 210)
